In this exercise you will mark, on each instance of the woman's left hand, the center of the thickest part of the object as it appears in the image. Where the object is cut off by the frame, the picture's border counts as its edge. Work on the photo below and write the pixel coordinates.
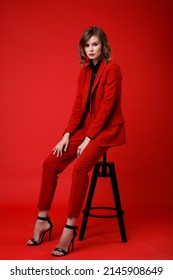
(83, 146)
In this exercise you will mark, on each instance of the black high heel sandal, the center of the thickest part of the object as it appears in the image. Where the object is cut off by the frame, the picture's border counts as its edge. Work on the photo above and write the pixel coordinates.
(71, 245)
(34, 242)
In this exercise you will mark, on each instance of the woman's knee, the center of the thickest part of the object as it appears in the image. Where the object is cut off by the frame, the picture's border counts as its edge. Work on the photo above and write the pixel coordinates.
(81, 167)
(49, 163)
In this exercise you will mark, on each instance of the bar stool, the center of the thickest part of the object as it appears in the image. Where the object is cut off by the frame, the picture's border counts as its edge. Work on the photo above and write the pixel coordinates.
(104, 169)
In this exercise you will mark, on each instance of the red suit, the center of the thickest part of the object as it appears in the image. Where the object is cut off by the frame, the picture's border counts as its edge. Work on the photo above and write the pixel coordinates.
(103, 122)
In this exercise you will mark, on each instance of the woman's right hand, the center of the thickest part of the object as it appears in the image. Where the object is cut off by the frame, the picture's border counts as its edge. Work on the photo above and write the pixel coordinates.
(62, 145)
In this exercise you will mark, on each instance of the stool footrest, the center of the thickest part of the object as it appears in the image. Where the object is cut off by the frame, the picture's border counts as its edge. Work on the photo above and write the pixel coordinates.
(103, 208)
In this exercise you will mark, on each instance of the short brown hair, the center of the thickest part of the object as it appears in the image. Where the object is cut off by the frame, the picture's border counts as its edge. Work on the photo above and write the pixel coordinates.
(94, 31)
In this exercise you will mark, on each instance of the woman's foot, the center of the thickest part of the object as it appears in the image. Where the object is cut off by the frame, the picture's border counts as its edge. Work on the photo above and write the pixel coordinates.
(42, 225)
(66, 241)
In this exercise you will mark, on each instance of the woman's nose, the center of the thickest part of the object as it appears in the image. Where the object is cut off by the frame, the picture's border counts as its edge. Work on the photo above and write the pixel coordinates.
(90, 48)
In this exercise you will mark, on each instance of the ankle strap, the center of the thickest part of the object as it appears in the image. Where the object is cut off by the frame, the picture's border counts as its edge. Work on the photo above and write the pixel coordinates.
(43, 218)
(71, 227)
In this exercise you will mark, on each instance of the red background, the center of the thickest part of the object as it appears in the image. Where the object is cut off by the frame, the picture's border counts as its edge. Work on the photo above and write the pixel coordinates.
(39, 70)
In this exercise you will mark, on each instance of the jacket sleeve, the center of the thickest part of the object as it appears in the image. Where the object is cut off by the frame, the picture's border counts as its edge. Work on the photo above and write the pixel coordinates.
(112, 89)
(76, 114)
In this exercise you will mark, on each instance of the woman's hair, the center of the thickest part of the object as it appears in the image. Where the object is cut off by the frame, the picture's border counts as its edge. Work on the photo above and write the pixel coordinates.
(94, 31)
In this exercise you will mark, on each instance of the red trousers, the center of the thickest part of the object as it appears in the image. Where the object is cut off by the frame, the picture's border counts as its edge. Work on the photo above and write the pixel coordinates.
(54, 165)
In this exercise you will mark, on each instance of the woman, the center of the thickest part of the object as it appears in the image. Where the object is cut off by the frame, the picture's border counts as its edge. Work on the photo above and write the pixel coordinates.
(95, 125)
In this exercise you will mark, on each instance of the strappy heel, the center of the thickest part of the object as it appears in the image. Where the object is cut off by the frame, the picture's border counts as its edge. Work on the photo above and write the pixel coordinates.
(49, 230)
(71, 245)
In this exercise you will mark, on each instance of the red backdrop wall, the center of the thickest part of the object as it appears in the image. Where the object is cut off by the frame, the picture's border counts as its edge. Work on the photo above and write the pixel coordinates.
(39, 70)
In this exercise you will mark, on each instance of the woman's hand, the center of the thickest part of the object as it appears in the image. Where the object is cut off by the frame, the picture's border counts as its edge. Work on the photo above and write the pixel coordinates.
(83, 146)
(62, 145)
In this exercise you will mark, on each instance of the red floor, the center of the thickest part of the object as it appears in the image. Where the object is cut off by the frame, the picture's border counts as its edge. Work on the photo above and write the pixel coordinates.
(150, 236)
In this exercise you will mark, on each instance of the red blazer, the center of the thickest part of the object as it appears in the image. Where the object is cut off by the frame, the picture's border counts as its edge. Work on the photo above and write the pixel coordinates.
(106, 121)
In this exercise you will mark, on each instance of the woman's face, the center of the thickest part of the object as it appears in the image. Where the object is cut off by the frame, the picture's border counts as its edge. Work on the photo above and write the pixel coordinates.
(93, 49)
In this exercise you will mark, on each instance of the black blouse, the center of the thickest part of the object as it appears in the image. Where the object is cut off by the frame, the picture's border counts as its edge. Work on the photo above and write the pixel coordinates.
(94, 72)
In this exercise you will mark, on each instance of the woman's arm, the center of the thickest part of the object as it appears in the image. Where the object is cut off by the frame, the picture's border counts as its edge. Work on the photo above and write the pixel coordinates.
(76, 114)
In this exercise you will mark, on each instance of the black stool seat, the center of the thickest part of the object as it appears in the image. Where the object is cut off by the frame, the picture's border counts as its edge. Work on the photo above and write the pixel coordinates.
(103, 169)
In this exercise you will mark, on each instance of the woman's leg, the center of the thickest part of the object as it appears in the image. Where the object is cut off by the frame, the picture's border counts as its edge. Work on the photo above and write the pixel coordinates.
(80, 178)
(53, 166)
(79, 186)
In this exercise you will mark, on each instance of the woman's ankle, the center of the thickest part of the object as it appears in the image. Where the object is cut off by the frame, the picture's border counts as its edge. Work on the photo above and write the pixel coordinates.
(71, 221)
(43, 213)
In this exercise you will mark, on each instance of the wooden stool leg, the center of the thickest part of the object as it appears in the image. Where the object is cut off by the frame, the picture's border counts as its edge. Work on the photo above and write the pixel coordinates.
(117, 202)
(89, 200)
